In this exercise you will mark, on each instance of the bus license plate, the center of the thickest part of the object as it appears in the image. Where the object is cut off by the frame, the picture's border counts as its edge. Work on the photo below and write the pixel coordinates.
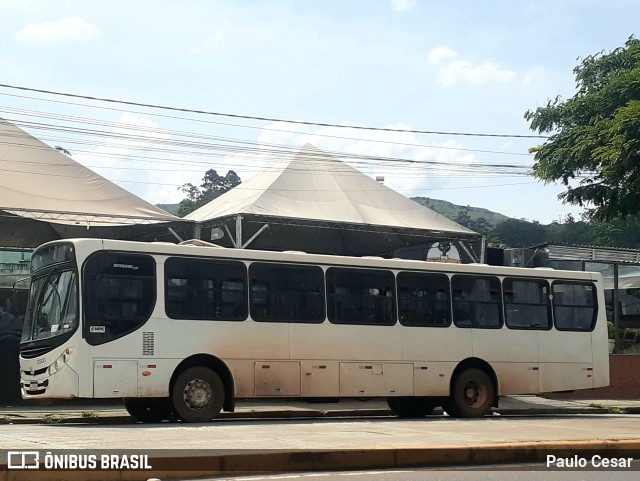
(33, 385)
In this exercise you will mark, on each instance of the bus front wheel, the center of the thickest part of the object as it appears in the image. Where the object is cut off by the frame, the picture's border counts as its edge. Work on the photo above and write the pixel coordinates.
(472, 395)
(198, 394)
(411, 407)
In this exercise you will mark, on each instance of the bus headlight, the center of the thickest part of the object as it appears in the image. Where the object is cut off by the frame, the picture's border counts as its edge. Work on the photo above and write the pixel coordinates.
(60, 362)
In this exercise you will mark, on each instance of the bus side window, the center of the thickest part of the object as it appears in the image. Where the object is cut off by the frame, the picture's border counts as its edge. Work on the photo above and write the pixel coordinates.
(231, 297)
(205, 289)
(424, 299)
(477, 301)
(287, 292)
(259, 299)
(527, 303)
(574, 306)
(361, 296)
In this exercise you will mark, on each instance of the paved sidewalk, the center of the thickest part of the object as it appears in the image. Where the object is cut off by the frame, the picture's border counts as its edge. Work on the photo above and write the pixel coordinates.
(509, 437)
(113, 412)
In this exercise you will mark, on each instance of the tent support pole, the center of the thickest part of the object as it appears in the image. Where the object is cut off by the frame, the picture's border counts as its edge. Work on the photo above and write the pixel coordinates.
(253, 237)
(238, 232)
(617, 346)
(230, 236)
(197, 230)
(175, 234)
(471, 254)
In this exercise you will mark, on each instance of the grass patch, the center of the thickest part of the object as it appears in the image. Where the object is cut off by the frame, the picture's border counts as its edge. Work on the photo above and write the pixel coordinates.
(52, 419)
(89, 414)
(616, 410)
(596, 405)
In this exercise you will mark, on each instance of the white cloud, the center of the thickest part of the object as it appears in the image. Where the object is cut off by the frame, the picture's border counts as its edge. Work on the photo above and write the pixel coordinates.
(452, 71)
(212, 42)
(403, 5)
(67, 30)
(440, 55)
(536, 76)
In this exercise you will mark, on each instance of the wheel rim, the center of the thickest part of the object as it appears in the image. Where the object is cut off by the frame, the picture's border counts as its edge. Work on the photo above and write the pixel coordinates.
(474, 393)
(198, 394)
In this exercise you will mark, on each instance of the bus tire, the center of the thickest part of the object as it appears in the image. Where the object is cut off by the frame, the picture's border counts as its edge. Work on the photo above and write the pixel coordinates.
(198, 394)
(472, 395)
(150, 410)
(411, 407)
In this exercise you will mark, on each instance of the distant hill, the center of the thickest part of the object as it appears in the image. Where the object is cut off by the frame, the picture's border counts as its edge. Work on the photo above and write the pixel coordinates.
(170, 208)
(451, 211)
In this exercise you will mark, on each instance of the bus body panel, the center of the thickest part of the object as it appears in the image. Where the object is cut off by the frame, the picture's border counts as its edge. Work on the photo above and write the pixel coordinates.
(320, 378)
(566, 361)
(433, 378)
(345, 342)
(277, 378)
(516, 362)
(436, 344)
(369, 379)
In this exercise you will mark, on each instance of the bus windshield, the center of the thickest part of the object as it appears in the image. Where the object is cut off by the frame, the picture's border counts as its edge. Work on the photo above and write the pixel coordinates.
(53, 306)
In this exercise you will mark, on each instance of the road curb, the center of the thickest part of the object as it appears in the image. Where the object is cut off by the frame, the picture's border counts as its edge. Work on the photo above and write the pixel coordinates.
(261, 461)
(59, 417)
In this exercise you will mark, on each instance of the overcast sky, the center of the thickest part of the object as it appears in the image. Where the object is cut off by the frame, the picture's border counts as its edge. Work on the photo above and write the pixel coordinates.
(447, 66)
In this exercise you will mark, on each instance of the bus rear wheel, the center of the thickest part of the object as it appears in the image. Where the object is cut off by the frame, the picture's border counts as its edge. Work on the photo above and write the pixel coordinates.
(411, 407)
(150, 410)
(472, 395)
(198, 394)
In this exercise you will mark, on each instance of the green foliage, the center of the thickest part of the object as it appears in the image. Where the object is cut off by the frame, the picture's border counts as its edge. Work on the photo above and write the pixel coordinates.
(479, 224)
(452, 211)
(213, 186)
(596, 135)
(616, 410)
(508, 232)
(619, 232)
(518, 233)
(53, 419)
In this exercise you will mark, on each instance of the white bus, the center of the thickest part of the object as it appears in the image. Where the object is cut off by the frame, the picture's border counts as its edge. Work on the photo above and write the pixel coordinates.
(182, 331)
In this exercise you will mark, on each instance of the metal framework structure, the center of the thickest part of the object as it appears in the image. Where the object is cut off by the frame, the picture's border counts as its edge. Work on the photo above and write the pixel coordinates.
(245, 230)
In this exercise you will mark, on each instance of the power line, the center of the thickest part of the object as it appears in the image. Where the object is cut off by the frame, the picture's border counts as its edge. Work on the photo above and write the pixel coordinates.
(275, 152)
(226, 124)
(268, 119)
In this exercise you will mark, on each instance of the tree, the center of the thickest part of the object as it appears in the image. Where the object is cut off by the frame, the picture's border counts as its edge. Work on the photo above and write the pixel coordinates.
(518, 233)
(596, 135)
(480, 225)
(618, 232)
(213, 185)
(571, 231)
(464, 219)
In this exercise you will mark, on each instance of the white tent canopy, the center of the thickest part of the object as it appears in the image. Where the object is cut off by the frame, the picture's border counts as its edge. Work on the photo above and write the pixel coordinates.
(315, 190)
(38, 182)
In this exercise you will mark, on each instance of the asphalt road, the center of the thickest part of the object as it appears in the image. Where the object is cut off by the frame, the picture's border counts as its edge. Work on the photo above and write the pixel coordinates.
(523, 472)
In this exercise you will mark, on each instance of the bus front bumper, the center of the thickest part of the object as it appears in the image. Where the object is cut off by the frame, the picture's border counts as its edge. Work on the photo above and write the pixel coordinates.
(64, 384)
